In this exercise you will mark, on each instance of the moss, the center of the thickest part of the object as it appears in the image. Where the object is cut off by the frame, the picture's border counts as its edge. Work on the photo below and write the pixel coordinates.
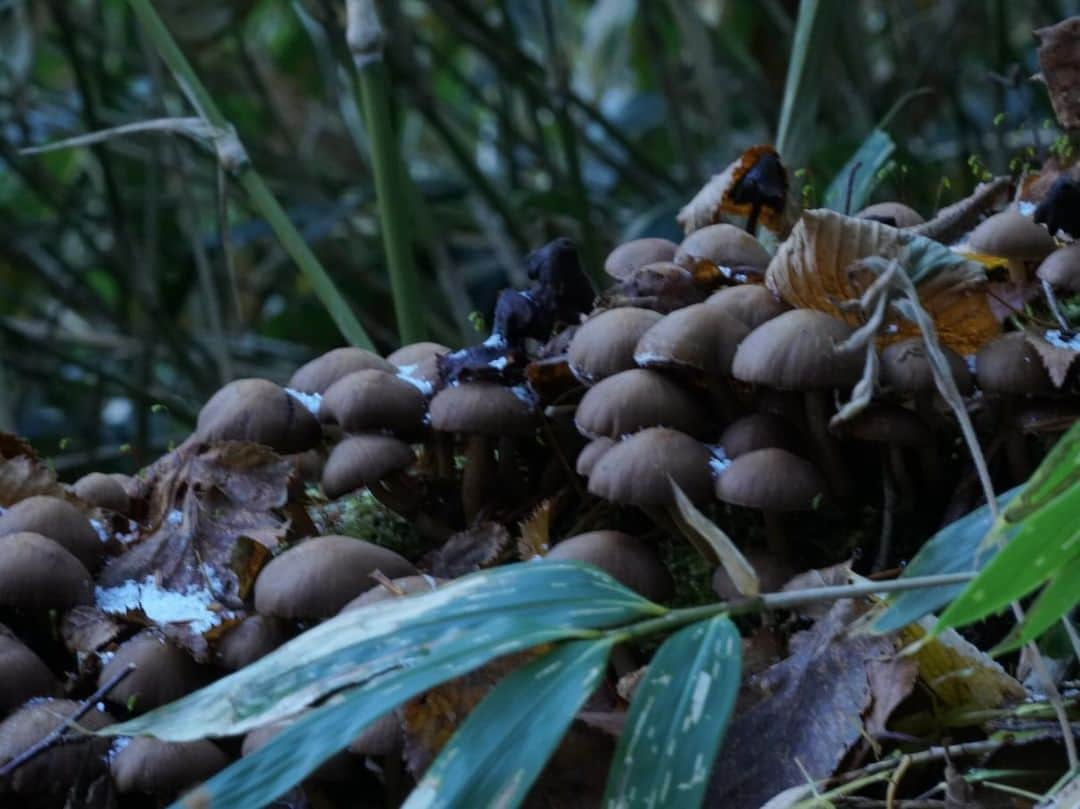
(690, 572)
(361, 515)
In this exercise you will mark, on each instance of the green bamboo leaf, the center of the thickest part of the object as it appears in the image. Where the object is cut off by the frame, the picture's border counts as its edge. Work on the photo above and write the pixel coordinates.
(814, 32)
(471, 620)
(1059, 470)
(497, 754)
(677, 719)
(1055, 601)
(870, 158)
(953, 549)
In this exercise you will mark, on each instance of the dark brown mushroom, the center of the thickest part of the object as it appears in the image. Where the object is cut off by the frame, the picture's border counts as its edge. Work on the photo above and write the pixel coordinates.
(364, 460)
(323, 371)
(639, 470)
(375, 401)
(316, 578)
(755, 431)
(604, 345)
(753, 304)
(37, 573)
(257, 410)
(254, 637)
(103, 491)
(154, 767)
(629, 257)
(591, 453)
(163, 673)
(632, 400)
(698, 339)
(419, 364)
(23, 673)
(58, 520)
(1017, 239)
(628, 560)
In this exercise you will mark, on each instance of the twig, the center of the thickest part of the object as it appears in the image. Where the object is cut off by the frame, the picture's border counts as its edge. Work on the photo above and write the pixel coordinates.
(53, 738)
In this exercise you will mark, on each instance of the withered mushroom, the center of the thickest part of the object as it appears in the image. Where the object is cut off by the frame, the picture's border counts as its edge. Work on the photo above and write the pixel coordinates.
(58, 520)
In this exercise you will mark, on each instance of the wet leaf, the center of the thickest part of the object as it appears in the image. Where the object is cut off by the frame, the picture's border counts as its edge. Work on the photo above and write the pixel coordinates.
(470, 550)
(811, 270)
(1058, 45)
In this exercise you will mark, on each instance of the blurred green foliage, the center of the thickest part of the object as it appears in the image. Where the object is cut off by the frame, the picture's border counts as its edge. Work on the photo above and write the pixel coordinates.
(519, 120)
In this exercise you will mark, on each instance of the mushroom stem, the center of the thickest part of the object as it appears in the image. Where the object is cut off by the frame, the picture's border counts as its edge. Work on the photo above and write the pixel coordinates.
(1055, 309)
(775, 537)
(444, 455)
(817, 418)
(477, 477)
(929, 461)
(1016, 449)
(396, 494)
(888, 511)
(895, 468)
(508, 474)
(751, 221)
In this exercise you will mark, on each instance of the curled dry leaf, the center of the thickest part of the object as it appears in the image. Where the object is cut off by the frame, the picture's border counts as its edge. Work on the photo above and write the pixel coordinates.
(953, 221)
(23, 475)
(1058, 46)
(471, 549)
(811, 270)
(87, 629)
(212, 527)
(1057, 352)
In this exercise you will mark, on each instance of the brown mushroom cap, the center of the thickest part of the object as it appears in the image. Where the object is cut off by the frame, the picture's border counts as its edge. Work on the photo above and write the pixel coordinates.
(372, 401)
(336, 768)
(381, 738)
(22, 673)
(152, 766)
(163, 673)
(56, 769)
(408, 585)
(316, 578)
(1061, 269)
(771, 479)
(696, 338)
(591, 453)
(905, 368)
(1011, 235)
(627, 559)
(795, 351)
(37, 573)
(604, 345)
(629, 257)
(1010, 365)
(482, 408)
(753, 304)
(723, 246)
(257, 410)
(636, 471)
(103, 491)
(252, 638)
(419, 362)
(887, 424)
(896, 214)
(631, 400)
(58, 520)
(322, 372)
(752, 432)
(361, 460)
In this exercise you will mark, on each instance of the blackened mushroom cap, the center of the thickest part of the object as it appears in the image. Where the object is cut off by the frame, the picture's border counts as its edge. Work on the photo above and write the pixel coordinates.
(252, 638)
(638, 470)
(753, 304)
(1010, 365)
(103, 491)
(591, 453)
(323, 371)
(1061, 269)
(887, 424)
(629, 257)
(38, 573)
(22, 673)
(894, 214)
(155, 767)
(723, 246)
(316, 578)
(163, 673)
(361, 460)
(257, 410)
(752, 432)
(905, 368)
(796, 351)
(374, 401)
(1011, 235)
(58, 520)
(54, 771)
(627, 559)
(604, 345)
(402, 586)
(482, 408)
(771, 479)
(697, 338)
(635, 399)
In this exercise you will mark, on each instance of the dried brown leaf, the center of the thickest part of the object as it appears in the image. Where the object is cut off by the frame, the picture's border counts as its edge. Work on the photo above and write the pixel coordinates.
(535, 538)
(1058, 48)
(12, 446)
(88, 629)
(471, 549)
(953, 221)
(24, 476)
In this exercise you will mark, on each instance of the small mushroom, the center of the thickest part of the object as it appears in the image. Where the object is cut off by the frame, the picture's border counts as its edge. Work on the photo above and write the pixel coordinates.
(393, 588)
(56, 770)
(418, 363)
(604, 345)
(753, 304)
(323, 371)
(103, 491)
(163, 673)
(894, 214)
(252, 638)
(364, 460)
(774, 481)
(591, 453)
(375, 401)
(723, 254)
(23, 673)
(58, 520)
(316, 578)
(629, 257)
(752, 432)
(632, 400)
(1011, 236)
(627, 559)
(1060, 271)
(37, 573)
(154, 767)
(259, 411)
(697, 339)
(639, 470)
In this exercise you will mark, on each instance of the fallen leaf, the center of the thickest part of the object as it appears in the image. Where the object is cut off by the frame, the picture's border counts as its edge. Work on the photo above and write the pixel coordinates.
(1058, 46)
(1058, 357)
(469, 550)
(892, 680)
(88, 629)
(25, 476)
(811, 270)
(535, 539)
(1009, 297)
(797, 719)
(11, 446)
(953, 221)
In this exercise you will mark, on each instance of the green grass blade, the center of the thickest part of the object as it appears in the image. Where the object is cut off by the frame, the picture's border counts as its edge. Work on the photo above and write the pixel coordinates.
(1055, 601)
(495, 757)
(814, 33)
(870, 158)
(677, 719)
(485, 614)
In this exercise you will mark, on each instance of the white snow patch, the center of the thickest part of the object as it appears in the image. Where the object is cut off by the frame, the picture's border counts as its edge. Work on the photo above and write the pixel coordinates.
(405, 373)
(1026, 208)
(1055, 338)
(719, 462)
(312, 401)
(194, 606)
(499, 363)
(100, 529)
(496, 340)
(174, 517)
